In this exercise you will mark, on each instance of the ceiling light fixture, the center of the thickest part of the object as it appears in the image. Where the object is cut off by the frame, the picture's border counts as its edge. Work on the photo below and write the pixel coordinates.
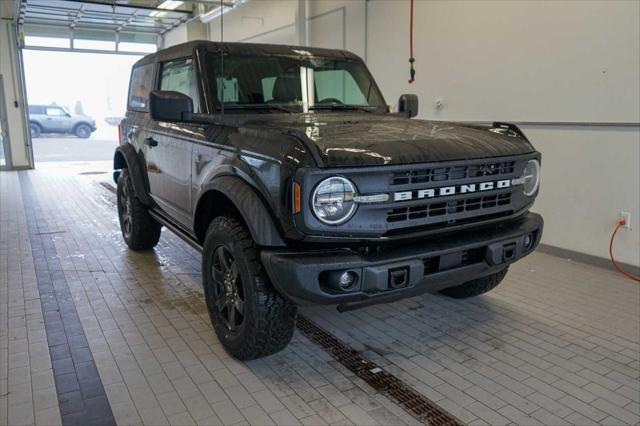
(170, 4)
(166, 5)
(216, 12)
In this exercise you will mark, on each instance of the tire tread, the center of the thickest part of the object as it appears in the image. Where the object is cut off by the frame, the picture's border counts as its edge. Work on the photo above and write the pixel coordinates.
(272, 325)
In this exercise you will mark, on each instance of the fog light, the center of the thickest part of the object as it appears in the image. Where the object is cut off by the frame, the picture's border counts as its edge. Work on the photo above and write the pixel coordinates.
(340, 281)
(347, 280)
(528, 241)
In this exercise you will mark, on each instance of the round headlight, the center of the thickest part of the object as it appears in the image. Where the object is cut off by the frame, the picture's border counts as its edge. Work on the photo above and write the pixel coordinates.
(332, 200)
(531, 177)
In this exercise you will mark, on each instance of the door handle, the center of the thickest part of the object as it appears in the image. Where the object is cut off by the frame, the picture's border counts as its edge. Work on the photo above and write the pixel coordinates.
(151, 142)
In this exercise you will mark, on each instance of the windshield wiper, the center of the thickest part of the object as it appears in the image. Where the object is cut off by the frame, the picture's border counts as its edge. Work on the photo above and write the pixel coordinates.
(366, 108)
(260, 107)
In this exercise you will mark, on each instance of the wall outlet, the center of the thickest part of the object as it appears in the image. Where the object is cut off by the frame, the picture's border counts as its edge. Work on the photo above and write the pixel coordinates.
(626, 216)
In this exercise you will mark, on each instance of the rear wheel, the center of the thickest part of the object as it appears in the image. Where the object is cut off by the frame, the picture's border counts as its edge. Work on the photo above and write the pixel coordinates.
(36, 130)
(249, 316)
(475, 287)
(82, 131)
(139, 230)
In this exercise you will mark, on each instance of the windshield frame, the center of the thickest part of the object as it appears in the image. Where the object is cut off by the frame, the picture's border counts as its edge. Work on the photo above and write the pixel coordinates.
(218, 108)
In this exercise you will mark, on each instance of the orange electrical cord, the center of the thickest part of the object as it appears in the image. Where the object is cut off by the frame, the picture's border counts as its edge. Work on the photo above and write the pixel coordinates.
(618, 268)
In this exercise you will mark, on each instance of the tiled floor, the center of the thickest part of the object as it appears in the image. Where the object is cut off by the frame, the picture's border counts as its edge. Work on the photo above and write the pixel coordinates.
(557, 343)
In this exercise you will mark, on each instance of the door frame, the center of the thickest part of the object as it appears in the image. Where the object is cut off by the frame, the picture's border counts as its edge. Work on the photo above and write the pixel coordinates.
(4, 124)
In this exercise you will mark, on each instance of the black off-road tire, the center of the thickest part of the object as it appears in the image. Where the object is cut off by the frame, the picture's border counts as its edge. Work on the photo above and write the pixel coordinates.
(143, 231)
(475, 287)
(36, 130)
(268, 321)
(82, 131)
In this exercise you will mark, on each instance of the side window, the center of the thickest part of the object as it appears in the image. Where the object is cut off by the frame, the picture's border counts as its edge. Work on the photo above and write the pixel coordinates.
(180, 76)
(33, 110)
(55, 112)
(141, 82)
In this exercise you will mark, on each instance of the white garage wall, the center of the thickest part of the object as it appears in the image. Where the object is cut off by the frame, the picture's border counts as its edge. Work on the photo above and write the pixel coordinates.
(337, 24)
(194, 30)
(588, 176)
(534, 61)
(176, 36)
(270, 21)
(537, 61)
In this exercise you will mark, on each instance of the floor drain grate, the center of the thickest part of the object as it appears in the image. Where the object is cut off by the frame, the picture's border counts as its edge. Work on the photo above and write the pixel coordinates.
(388, 384)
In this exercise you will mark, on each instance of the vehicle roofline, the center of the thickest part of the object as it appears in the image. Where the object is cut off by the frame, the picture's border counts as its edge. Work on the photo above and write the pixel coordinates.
(185, 49)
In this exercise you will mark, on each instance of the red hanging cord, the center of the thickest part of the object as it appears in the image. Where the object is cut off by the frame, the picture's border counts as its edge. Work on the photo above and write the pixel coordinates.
(615, 264)
(412, 71)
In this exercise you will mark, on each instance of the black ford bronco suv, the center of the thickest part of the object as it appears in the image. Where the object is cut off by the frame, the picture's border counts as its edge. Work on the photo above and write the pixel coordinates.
(284, 166)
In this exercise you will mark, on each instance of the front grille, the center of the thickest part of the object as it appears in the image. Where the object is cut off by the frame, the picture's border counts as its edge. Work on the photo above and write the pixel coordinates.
(443, 174)
(442, 208)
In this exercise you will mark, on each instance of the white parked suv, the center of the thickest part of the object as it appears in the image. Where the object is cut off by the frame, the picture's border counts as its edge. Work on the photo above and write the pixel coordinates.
(57, 119)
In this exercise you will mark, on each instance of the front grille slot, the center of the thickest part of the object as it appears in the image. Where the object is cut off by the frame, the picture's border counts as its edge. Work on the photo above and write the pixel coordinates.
(444, 174)
(443, 208)
(466, 258)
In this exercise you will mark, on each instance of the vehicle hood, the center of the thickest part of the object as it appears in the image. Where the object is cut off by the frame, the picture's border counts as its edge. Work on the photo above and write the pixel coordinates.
(361, 139)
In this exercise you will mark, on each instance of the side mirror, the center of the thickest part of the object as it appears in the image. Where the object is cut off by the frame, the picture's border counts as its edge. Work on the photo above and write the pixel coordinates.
(409, 105)
(165, 105)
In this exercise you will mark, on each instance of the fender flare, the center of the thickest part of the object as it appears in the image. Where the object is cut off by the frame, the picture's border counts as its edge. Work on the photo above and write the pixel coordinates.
(126, 157)
(249, 205)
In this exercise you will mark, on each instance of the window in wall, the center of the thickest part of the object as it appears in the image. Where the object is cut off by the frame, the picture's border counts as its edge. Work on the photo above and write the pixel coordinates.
(137, 47)
(180, 76)
(46, 41)
(141, 85)
(94, 44)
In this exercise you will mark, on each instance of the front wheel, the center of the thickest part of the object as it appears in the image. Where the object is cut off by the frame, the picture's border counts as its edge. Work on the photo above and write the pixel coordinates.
(82, 131)
(476, 287)
(250, 318)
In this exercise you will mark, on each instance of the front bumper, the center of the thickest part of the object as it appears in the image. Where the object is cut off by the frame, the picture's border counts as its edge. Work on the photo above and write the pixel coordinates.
(424, 267)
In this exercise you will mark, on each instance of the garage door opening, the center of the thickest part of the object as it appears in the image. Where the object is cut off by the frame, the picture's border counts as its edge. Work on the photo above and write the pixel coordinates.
(76, 101)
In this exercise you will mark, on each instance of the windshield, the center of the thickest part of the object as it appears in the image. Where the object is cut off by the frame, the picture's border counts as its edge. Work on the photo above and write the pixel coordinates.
(292, 84)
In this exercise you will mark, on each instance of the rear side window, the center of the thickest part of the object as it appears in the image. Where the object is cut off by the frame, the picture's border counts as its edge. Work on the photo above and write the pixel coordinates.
(141, 85)
(55, 112)
(36, 110)
(180, 76)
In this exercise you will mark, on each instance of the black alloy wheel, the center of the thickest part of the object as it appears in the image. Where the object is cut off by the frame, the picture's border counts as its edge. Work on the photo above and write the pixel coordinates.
(125, 214)
(229, 292)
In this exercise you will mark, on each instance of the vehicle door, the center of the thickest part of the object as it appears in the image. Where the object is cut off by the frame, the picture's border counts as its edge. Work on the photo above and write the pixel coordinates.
(169, 146)
(56, 119)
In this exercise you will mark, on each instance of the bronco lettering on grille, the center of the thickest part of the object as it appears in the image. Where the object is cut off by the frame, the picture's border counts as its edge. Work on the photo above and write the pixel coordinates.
(451, 190)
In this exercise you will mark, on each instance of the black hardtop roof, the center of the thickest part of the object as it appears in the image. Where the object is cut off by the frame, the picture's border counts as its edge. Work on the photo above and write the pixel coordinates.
(186, 49)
